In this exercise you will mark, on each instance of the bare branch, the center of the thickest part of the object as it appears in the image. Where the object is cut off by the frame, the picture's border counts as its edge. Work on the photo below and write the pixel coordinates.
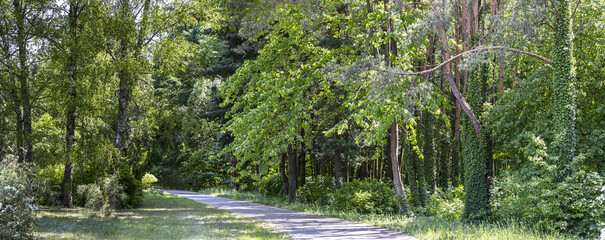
(546, 60)
(573, 15)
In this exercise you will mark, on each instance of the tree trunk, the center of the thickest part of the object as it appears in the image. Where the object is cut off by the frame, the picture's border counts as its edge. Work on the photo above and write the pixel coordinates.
(67, 185)
(14, 93)
(411, 172)
(233, 184)
(429, 150)
(24, 80)
(403, 208)
(302, 165)
(420, 178)
(338, 166)
(282, 171)
(564, 94)
(20, 155)
(292, 172)
(476, 203)
(71, 108)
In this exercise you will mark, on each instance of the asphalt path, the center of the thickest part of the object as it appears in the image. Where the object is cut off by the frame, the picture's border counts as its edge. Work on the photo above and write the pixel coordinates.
(298, 224)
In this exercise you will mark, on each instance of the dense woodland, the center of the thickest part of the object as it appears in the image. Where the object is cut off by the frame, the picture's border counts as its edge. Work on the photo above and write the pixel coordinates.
(492, 109)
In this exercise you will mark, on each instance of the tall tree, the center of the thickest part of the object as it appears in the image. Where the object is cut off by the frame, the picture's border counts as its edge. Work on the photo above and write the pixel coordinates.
(564, 95)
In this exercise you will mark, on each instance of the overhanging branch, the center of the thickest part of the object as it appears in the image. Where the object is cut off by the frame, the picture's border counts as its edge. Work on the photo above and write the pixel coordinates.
(476, 50)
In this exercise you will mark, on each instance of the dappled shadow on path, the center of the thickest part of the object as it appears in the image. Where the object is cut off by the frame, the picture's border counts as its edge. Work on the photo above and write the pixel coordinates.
(299, 225)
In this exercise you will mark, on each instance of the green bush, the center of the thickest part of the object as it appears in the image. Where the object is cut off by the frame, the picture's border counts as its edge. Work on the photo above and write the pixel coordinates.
(17, 206)
(574, 205)
(132, 187)
(271, 185)
(366, 196)
(96, 195)
(149, 179)
(447, 205)
(317, 190)
(48, 187)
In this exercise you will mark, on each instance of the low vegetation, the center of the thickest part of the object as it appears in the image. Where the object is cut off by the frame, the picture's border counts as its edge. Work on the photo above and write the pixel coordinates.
(419, 226)
(158, 217)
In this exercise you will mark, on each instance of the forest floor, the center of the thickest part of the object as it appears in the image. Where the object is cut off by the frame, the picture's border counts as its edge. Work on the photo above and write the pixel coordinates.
(159, 217)
(421, 227)
(298, 224)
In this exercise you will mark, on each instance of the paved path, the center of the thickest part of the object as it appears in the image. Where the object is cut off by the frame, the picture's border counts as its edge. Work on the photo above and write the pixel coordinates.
(299, 225)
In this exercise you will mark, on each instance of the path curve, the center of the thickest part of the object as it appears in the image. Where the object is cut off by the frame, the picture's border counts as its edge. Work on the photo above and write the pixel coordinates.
(298, 224)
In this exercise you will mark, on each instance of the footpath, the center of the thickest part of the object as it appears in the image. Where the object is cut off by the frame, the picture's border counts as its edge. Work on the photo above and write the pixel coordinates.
(297, 224)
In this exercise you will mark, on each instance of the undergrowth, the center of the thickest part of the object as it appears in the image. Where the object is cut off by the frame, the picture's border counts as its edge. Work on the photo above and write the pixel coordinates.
(418, 226)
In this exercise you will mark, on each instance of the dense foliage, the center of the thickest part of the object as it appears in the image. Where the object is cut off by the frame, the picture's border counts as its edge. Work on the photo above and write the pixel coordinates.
(319, 100)
(17, 207)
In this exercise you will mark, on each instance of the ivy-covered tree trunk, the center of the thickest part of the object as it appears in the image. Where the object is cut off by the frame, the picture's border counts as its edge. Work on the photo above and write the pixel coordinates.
(420, 176)
(564, 93)
(476, 203)
(429, 149)
(443, 171)
(411, 172)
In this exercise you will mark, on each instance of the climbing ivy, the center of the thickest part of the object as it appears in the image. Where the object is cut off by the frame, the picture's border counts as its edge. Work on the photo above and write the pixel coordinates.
(476, 203)
(564, 93)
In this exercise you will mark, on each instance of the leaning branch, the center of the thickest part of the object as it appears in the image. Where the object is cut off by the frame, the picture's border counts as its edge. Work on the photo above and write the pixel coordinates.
(457, 94)
(476, 50)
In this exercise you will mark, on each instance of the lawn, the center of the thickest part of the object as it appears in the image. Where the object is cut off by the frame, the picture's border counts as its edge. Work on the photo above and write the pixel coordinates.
(419, 226)
(159, 217)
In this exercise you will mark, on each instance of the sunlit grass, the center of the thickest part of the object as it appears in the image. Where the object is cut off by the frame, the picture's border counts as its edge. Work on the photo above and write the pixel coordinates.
(420, 227)
(160, 217)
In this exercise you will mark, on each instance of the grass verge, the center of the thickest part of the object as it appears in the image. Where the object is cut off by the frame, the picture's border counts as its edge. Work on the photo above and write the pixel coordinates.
(159, 217)
(419, 226)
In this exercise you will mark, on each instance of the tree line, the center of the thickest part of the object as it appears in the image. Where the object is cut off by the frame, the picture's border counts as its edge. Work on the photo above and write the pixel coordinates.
(502, 97)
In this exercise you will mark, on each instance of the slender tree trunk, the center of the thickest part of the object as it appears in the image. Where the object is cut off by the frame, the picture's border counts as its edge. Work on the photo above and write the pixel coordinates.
(292, 172)
(302, 165)
(420, 178)
(403, 208)
(429, 150)
(19, 130)
(282, 171)
(233, 184)
(24, 80)
(14, 94)
(71, 108)
(411, 171)
(338, 166)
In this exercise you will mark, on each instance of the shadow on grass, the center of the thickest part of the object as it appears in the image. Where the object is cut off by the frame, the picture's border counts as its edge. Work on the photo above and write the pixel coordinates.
(159, 217)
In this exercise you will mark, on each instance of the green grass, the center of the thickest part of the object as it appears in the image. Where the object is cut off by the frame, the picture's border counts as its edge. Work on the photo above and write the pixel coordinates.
(420, 227)
(160, 217)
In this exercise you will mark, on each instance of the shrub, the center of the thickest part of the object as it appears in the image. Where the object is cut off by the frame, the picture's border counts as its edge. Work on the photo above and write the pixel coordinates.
(271, 185)
(48, 187)
(366, 196)
(574, 205)
(132, 187)
(96, 195)
(17, 202)
(317, 190)
(447, 205)
(149, 179)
